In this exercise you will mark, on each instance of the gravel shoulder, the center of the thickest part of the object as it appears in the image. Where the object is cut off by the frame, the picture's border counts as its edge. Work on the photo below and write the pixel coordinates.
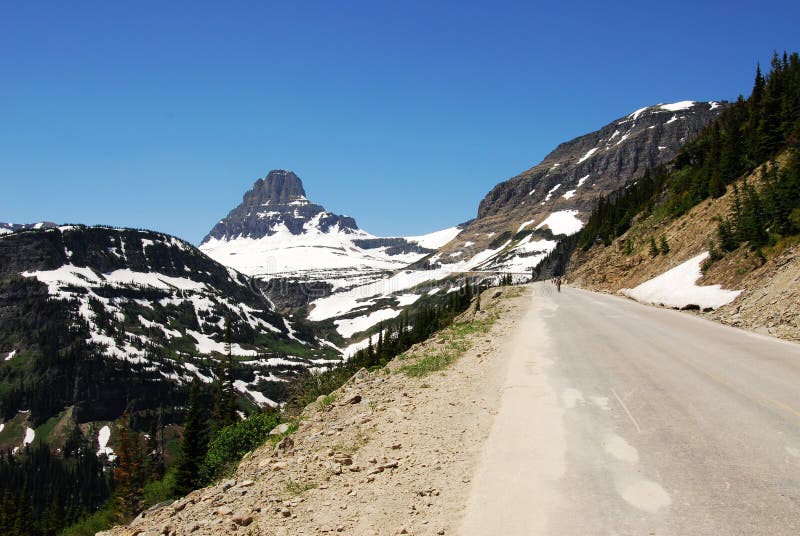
(394, 453)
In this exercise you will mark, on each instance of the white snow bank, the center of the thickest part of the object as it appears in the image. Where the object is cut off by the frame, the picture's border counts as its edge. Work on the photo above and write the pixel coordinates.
(436, 239)
(129, 277)
(102, 442)
(588, 155)
(350, 326)
(563, 222)
(11, 354)
(582, 180)
(637, 113)
(206, 345)
(257, 396)
(407, 299)
(677, 288)
(677, 106)
(30, 435)
(569, 195)
(553, 189)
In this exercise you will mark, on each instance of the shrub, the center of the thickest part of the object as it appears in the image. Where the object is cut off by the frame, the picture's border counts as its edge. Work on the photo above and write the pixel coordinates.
(234, 441)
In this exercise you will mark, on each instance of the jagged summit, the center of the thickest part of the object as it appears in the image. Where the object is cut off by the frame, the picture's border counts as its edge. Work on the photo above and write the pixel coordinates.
(277, 204)
(278, 187)
(276, 232)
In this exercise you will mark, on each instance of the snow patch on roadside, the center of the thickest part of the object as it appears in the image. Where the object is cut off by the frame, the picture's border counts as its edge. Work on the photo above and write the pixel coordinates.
(678, 288)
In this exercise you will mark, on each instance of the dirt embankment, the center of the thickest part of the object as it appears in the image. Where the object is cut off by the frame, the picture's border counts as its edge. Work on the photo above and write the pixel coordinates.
(770, 301)
(392, 452)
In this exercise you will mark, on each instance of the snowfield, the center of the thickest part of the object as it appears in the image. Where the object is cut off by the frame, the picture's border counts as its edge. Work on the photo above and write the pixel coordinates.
(563, 222)
(678, 288)
(350, 326)
(284, 254)
(102, 442)
(30, 435)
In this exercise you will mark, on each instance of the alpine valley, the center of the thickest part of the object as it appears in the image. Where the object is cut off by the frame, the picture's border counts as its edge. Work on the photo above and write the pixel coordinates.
(109, 332)
(99, 321)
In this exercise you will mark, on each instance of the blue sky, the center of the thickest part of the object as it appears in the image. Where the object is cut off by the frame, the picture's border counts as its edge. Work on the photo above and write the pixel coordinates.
(402, 114)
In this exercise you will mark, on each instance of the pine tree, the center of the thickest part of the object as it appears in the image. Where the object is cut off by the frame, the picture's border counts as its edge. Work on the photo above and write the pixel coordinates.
(155, 448)
(128, 472)
(653, 247)
(225, 396)
(194, 445)
(664, 246)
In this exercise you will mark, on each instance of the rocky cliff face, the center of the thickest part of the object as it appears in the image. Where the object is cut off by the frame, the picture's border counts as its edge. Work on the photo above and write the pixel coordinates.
(277, 203)
(557, 194)
(602, 160)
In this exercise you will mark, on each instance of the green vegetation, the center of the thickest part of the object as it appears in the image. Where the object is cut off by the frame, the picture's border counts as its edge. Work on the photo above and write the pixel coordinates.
(41, 493)
(327, 401)
(455, 343)
(234, 441)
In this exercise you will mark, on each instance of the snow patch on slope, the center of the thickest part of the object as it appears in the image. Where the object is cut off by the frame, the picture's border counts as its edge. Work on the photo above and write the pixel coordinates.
(436, 239)
(677, 106)
(678, 288)
(588, 155)
(350, 326)
(562, 222)
(102, 442)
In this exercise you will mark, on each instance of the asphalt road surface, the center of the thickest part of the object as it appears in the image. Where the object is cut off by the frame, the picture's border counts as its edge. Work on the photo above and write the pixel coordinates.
(623, 419)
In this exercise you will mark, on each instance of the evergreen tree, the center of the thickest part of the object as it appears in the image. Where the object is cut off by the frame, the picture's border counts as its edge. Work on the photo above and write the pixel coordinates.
(664, 246)
(194, 444)
(653, 247)
(128, 472)
(225, 395)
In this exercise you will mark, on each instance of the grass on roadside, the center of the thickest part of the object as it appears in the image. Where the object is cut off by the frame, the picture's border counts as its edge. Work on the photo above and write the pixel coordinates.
(327, 401)
(296, 487)
(455, 339)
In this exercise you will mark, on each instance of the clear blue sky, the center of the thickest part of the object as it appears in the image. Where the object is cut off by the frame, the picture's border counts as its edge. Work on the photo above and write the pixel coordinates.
(160, 114)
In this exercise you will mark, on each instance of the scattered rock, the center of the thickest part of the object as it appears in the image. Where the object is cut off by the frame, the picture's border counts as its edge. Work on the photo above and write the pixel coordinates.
(279, 466)
(355, 399)
(243, 518)
(279, 430)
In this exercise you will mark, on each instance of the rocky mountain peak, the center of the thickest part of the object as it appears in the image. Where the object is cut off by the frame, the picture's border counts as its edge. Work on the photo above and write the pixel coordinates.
(278, 204)
(278, 187)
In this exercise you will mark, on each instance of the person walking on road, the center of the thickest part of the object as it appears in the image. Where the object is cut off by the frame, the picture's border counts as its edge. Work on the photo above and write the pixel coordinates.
(558, 283)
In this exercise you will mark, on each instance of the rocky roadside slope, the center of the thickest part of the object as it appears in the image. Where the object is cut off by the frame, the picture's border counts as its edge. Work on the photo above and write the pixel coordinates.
(770, 298)
(391, 452)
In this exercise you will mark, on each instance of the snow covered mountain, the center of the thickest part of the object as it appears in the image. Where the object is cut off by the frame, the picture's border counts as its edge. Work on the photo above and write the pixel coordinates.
(101, 319)
(277, 233)
(6, 228)
(520, 219)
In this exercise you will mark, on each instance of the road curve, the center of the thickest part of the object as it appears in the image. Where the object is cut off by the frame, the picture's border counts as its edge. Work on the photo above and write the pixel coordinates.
(618, 418)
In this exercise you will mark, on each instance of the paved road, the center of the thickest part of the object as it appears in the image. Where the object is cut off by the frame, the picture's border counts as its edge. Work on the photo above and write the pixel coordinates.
(618, 419)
